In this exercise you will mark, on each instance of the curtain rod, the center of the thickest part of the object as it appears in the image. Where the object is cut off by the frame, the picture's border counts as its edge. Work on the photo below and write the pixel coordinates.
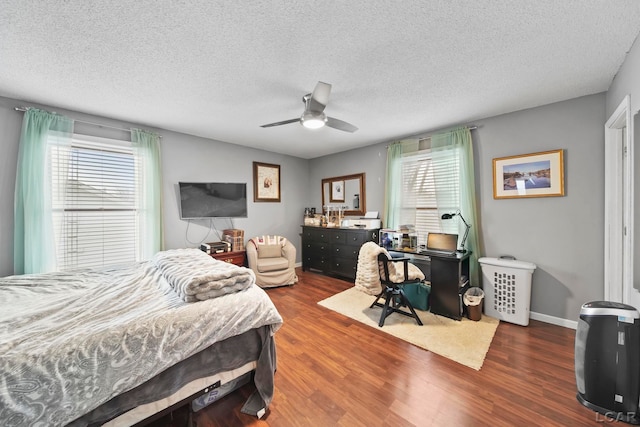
(23, 109)
(472, 127)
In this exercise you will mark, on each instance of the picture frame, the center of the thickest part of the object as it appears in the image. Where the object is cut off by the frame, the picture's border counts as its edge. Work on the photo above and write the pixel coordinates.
(529, 175)
(266, 182)
(337, 191)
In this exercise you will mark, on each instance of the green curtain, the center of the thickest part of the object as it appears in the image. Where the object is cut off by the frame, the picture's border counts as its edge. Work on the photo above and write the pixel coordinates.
(460, 140)
(147, 150)
(34, 242)
(393, 184)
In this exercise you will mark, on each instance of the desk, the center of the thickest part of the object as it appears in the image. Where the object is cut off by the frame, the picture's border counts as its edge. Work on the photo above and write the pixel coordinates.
(444, 273)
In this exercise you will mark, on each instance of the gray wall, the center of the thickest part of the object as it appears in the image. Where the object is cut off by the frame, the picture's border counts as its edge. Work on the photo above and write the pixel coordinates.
(626, 83)
(189, 158)
(10, 126)
(563, 236)
(371, 160)
(184, 157)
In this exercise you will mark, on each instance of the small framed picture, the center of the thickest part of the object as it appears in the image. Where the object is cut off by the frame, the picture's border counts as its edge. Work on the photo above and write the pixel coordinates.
(337, 191)
(529, 175)
(266, 182)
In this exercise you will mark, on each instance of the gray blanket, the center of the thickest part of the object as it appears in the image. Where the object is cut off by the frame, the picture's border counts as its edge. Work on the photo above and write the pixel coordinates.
(196, 276)
(71, 341)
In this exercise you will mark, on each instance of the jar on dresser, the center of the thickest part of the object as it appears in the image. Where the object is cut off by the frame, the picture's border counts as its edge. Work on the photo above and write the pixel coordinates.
(334, 251)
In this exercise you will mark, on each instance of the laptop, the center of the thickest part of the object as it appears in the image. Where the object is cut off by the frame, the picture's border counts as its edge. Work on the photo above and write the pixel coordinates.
(442, 244)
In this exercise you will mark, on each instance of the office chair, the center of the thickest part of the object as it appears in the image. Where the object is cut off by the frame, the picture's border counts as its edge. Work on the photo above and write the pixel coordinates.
(392, 287)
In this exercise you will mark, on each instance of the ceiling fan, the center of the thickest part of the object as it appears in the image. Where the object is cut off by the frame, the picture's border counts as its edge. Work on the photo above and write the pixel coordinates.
(313, 116)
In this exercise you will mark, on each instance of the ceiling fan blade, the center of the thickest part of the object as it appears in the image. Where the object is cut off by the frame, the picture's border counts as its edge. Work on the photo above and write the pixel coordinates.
(284, 122)
(340, 125)
(320, 97)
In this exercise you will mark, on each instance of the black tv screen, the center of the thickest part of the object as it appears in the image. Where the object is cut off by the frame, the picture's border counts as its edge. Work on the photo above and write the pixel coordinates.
(213, 200)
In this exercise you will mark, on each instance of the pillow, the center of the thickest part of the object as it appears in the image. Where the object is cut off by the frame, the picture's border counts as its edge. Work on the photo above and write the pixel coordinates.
(269, 251)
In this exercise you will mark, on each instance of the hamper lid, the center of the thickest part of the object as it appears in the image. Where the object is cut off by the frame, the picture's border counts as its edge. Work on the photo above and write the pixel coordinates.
(505, 262)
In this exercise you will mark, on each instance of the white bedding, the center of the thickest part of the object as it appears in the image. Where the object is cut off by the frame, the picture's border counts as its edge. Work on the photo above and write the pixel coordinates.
(195, 276)
(71, 341)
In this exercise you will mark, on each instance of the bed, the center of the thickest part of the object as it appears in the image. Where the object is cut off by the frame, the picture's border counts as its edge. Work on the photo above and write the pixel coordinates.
(117, 345)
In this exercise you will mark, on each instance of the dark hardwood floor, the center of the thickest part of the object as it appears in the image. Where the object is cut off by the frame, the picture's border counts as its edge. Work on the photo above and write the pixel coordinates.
(334, 371)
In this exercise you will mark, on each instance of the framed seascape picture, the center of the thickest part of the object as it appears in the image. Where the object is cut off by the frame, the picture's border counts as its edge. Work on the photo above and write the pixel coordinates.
(337, 191)
(529, 175)
(266, 182)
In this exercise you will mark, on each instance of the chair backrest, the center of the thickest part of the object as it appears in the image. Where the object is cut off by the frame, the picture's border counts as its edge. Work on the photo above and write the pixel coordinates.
(392, 273)
(269, 246)
(383, 260)
(389, 268)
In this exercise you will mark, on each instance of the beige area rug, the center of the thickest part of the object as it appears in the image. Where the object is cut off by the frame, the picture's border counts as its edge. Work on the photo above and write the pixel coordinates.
(464, 341)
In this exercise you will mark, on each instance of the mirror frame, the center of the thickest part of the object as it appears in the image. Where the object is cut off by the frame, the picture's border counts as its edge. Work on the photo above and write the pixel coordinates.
(363, 192)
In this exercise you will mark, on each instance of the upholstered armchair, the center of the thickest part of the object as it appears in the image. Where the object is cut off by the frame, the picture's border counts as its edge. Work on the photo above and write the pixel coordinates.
(272, 259)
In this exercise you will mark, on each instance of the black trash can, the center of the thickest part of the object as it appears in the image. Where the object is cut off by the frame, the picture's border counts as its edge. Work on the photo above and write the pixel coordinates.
(473, 300)
(607, 360)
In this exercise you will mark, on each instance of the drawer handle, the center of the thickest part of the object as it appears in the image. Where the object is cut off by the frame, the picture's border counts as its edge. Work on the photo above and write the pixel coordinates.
(337, 249)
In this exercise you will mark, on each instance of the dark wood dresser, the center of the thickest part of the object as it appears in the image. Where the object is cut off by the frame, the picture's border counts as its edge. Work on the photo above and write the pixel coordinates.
(334, 251)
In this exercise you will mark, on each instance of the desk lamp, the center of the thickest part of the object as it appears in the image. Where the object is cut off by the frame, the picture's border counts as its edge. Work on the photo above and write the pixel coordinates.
(466, 232)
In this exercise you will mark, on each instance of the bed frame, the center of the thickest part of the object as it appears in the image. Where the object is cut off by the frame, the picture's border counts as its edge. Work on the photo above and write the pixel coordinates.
(224, 361)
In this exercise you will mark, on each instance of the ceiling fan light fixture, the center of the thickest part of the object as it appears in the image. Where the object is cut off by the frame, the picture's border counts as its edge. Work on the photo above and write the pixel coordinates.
(312, 120)
(313, 116)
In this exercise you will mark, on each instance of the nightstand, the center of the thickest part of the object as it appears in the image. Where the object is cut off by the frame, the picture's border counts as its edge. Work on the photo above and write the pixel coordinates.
(235, 257)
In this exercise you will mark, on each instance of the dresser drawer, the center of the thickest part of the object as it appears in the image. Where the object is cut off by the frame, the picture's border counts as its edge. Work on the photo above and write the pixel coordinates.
(338, 237)
(356, 239)
(316, 247)
(316, 262)
(237, 258)
(316, 234)
(344, 267)
(345, 251)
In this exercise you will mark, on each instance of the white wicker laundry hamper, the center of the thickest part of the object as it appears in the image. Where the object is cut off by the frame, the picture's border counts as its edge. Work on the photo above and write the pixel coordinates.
(507, 289)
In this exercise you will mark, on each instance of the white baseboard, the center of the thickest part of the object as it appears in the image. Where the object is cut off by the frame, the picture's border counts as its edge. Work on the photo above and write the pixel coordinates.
(572, 324)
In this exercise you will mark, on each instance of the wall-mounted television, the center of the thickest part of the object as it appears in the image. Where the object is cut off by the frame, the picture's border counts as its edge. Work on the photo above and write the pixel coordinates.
(212, 200)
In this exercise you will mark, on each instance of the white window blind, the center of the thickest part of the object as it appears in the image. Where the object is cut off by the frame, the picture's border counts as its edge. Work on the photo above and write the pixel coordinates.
(95, 203)
(422, 174)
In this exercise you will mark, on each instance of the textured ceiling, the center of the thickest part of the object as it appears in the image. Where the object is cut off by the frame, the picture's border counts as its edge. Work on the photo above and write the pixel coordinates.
(220, 69)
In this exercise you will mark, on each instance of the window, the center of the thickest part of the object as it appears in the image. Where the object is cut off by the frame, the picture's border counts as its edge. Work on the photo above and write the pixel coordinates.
(95, 202)
(430, 187)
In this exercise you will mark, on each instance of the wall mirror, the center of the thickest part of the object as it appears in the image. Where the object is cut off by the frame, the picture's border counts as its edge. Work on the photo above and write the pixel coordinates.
(347, 191)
